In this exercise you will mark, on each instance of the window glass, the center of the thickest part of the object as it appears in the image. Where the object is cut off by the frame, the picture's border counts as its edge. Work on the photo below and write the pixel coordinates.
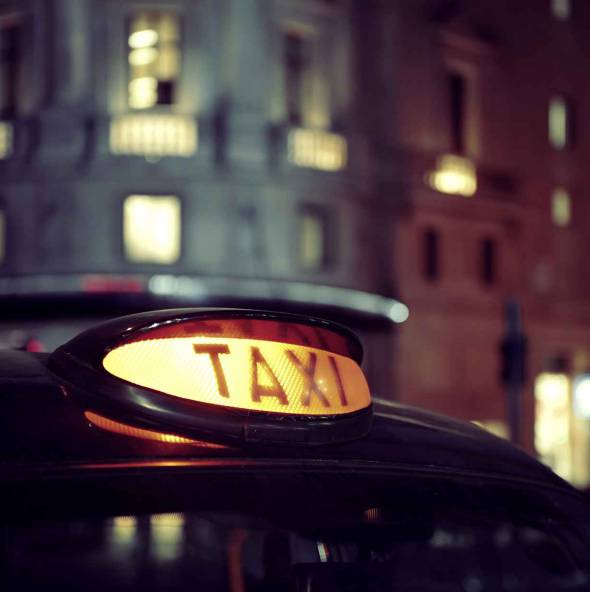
(154, 59)
(560, 122)
(259, 533)
(561, 208)
(488, 261)
(151, 228)
(430, 253)
(5, 139)
(313, 253)
(2, 236)
(10, 66)
(457, 99)
(307, 70)
(250, 237)
(561, 9)
(297, 49)
(553, 418)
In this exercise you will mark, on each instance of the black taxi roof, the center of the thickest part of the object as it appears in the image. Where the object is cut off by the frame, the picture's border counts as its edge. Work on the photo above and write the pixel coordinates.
(407, 480)
(44, 432)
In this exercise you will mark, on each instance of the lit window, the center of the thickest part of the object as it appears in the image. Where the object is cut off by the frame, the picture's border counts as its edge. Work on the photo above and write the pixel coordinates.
(5, 139)
(582, 396)
(561, 208)
(313, 253)
(317, 149)
(560, 122)
(10, 66)
(552, 422)
(153, 134)
(561, 9)
(454, 175)
(154, 59)
(488, 261)
(430, 253)
(151, 228)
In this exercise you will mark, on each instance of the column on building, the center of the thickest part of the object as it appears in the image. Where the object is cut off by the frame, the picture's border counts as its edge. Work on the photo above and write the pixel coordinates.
(62, 117)
(247, 81)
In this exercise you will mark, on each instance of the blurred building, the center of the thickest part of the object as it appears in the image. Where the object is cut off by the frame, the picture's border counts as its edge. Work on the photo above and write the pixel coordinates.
(488, 121)
(332, 153)
(203, 152)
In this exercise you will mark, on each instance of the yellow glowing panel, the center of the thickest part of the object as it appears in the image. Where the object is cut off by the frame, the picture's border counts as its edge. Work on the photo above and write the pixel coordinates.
(127, 430)
(241, 373)
(151, 227)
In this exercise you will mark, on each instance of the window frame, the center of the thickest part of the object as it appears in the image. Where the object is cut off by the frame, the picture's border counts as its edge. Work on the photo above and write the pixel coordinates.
(468, 71)
(331, 61)
(132, 10)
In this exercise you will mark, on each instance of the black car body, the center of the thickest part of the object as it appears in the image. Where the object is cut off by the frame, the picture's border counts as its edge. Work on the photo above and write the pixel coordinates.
(420, 502)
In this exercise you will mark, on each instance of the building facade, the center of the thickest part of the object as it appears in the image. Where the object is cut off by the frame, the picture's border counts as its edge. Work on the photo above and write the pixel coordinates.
(195, 149)
(489, 119)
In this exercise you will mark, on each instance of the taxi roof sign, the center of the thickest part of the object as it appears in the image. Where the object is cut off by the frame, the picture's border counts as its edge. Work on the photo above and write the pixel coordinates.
(243, 373)
(222, 375)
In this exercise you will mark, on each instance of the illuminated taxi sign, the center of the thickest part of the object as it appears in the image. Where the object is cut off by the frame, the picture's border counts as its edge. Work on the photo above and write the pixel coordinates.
(244, 373)
(223, 376)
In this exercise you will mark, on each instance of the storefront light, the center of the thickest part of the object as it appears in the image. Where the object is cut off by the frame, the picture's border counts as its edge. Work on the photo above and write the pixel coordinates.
(582, 395)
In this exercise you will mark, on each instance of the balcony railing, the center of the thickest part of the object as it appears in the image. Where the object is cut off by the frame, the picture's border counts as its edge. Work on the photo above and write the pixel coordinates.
(316, 149)
(153, 135)
(6, 140)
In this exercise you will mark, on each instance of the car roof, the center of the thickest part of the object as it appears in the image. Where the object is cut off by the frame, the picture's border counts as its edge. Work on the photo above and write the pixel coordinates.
(43, 428)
